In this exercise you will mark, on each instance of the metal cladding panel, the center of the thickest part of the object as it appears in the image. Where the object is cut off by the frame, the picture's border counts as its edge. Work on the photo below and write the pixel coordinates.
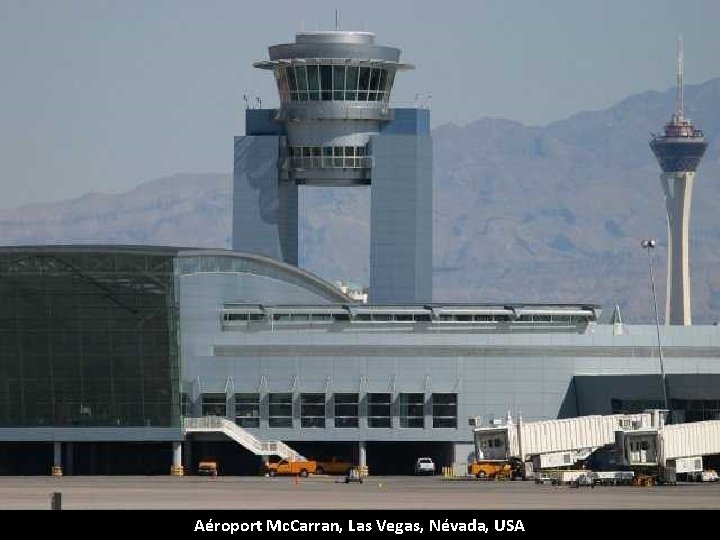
(407, 122)
(90, 434)
(693, 439)
(401, 219)
(289, 51)
(256, 200)
(262, 122)
(323, 132)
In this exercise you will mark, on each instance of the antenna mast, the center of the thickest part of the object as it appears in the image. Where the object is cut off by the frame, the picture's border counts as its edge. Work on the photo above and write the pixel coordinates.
(337, 20)
(679, 98)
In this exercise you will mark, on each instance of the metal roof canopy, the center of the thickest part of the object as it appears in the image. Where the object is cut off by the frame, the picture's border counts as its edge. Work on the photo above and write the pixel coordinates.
(389, 310)
(435, 311)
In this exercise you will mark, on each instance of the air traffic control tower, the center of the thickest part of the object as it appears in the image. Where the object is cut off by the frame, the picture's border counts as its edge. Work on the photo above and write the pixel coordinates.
(335, 127)
(679, 150)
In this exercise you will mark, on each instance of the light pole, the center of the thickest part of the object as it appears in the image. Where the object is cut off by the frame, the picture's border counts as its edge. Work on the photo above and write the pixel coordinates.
(648, 245)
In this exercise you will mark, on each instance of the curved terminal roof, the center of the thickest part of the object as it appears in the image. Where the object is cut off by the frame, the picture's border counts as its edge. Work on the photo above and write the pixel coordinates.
(216, 260)
(198, 260)
(212, 260)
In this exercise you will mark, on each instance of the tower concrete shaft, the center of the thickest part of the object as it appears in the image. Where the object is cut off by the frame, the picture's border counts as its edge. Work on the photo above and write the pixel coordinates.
(677, 187)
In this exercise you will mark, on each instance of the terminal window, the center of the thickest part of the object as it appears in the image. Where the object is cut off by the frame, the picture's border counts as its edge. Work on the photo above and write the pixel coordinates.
(247, 410)
(379, 406)
(412, 410)
(214, 405)
(444, 409)
(185, 405)
(346, 410)
(312, 410)
(280, 410)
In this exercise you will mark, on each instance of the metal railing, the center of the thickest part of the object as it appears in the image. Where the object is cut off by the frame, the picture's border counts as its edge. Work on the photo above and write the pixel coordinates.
(218, 424)
(279, 448)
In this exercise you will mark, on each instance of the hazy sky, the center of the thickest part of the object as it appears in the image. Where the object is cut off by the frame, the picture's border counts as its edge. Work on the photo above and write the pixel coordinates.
(103, 95)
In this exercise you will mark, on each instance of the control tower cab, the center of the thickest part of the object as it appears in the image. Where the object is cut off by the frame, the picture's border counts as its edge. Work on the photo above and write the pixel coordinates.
(335, 127)
(334, 92)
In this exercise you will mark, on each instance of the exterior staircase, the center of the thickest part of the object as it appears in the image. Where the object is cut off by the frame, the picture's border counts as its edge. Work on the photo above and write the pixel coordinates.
(218, 424)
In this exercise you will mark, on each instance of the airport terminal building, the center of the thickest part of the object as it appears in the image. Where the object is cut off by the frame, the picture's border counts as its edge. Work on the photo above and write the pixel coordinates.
(108, 355)
(144, 360)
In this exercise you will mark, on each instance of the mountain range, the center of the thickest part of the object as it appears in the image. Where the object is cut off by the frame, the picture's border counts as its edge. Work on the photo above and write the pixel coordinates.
(549, 213)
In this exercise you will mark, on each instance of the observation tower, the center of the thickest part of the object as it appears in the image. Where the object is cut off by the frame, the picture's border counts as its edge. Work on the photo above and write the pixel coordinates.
(679, 150)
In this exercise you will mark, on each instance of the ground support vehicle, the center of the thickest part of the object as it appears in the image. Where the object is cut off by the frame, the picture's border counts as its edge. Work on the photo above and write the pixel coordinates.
(353, 475)
(285, 467)
(424, 465)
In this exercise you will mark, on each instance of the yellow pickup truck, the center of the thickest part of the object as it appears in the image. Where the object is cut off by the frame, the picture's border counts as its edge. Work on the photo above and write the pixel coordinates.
(285, 467)
(333, 465)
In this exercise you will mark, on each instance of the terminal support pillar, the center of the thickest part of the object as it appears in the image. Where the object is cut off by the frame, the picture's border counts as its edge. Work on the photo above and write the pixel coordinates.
(177, 468)
(362, 458)
(57, 459)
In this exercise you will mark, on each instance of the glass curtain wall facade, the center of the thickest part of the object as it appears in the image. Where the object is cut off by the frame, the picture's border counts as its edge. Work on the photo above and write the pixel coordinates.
(88, 339)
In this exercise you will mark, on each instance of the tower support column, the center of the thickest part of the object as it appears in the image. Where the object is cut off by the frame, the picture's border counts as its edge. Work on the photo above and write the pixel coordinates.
(401, 219)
